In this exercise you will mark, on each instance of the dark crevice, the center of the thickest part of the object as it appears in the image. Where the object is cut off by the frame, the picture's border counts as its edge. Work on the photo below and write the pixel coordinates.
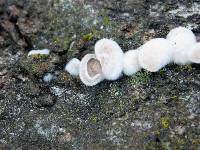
(29, 45)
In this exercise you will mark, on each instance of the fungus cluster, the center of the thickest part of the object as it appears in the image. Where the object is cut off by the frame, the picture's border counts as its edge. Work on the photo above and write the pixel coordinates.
(110, 62)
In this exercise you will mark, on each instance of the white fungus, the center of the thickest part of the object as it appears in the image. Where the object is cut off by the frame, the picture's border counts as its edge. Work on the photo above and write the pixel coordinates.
(109, 61)
(73, 67)
(90, 70)
(183, 39)
(155, 54)
(131, 63)
(194, 53)
(48, 77)
(110, 55)
(40, 52)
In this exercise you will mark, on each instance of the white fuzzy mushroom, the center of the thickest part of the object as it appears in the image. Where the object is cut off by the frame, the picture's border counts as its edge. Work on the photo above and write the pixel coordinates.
(131, 63)
(155, 54)
(73, 67)
(39, 52)
(183, 39)
(90, 70)
(110, 55)
(194, 53)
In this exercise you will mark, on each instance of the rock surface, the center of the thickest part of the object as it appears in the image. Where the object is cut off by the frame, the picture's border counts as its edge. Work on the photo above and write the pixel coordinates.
(146, 111)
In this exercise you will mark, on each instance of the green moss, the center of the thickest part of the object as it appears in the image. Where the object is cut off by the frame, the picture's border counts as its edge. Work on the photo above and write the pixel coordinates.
(87, 37)
(38, 56)
(106, 21)
(62, 42)
(93, 119)
(162, 72)
(66, 43)
(141, 77)
(187, 67)
(165, 121)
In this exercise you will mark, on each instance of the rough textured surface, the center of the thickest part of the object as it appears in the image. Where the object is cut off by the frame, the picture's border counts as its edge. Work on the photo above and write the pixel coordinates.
(146, 111)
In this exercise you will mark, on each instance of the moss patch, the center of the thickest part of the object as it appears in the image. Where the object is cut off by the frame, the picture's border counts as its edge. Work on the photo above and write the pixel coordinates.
(165, 121)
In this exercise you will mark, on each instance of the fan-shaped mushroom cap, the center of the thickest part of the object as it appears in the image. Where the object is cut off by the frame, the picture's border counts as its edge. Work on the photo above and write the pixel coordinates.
(183, 39)
(131, 63)
(90, 70)
(110, 55)
(73, 67)
(194, 53)
(155, 54)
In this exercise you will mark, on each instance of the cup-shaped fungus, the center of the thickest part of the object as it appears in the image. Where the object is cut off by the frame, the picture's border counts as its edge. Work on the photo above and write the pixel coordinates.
(155, 54)
(110, 55)
(73, 67)
(90, 70)
(183, 39)
(194, 53)
(131, 63)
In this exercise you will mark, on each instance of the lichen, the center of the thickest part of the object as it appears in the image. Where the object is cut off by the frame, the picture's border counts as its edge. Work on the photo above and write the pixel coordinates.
(165, 121)
(114, 90)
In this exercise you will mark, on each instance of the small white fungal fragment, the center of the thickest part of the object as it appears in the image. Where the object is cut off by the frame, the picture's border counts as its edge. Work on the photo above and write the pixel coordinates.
(40, 52)
(73, 67)
(110, 55)
(194, 53)
(48, 77)
(90, 70)
(155, 54)
(131, 63)
(183, 39)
